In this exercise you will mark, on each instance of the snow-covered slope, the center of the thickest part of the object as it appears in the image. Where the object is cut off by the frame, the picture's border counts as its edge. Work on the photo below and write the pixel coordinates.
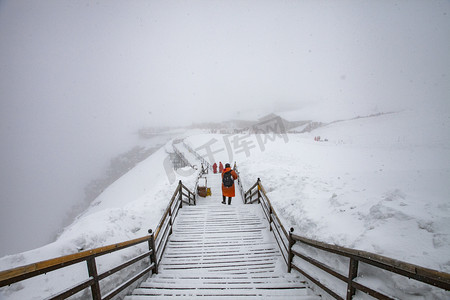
(125, 210)
(380, 184)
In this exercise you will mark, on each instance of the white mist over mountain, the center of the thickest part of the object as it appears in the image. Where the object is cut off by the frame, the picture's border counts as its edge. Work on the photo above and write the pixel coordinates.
(78, 79)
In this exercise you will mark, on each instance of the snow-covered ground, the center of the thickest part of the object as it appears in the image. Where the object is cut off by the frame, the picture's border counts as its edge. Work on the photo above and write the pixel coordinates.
(380, 184)
(125, 210)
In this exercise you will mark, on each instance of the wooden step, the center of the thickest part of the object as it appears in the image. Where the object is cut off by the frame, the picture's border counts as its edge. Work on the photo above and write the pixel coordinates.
(223, 296)
(221, 251)
(221, 286)
(214, 292)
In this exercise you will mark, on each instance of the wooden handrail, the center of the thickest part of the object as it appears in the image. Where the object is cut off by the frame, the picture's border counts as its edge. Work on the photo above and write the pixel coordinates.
(439, 279)
(190, 195)
(239, 183)
(271, 215)
(261, 188)
(421, 274)
(198, 156)
(202, 172)
(8, 277)
(166, 212)
(175, 197)
(164, 228)
(181, 155)
(249, 195)
(18, 274)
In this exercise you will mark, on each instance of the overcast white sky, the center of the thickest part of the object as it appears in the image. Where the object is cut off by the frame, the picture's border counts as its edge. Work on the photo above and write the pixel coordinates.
(77, 77)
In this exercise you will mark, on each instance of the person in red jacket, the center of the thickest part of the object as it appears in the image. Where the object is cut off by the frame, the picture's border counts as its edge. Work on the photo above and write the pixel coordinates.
(228, 178)
(215, 168)
(220, 167)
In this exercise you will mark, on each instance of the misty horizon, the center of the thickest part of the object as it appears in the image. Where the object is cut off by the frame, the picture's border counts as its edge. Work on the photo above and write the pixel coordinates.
(79, 79)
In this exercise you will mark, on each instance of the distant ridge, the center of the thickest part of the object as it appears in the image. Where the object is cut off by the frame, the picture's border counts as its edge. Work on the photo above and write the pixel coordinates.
(237, 126)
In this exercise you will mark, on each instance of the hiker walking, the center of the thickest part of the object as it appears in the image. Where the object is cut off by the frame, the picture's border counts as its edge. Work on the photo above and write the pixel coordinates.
(215, 168)
(228, 178)
(220, 167)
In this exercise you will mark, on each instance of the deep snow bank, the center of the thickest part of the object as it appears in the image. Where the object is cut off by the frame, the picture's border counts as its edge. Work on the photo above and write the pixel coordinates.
(125, 210)
(379, 184)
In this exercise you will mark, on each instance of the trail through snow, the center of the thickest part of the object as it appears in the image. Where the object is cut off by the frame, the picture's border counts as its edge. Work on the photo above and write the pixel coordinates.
(222, 251)
(379, 184)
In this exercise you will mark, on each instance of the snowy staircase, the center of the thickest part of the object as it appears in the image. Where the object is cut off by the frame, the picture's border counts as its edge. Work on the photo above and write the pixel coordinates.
(222, 251)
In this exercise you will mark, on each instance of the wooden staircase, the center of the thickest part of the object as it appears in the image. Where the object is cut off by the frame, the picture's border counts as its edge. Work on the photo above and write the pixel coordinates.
(222, 251)
(218, 251)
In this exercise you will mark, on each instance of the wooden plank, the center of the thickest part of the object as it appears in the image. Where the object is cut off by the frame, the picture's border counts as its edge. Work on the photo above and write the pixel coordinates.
(216, 279)
(220, 263)
(214, 256)
(73, 290)
(220, 285)
(213, 245)
(247, 297)
(318, 283)
(127, 283)
(124, 265)
(228, 292)
(169, 206)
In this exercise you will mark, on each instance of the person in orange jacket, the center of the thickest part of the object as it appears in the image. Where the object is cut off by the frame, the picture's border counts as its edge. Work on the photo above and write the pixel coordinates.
(228, 178)
(220, 167)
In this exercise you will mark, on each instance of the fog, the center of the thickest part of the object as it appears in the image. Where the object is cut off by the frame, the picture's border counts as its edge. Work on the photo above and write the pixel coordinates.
(79, 78)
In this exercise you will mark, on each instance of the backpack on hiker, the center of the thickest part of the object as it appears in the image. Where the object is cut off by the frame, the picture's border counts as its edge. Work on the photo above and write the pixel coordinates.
(228, 179)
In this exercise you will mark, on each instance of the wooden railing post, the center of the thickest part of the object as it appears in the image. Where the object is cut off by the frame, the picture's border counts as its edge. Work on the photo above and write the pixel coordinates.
(180, 193)
(352, 273)
(290, 255)
(259, 190)
(270, 217)
(152, 247)
(170, 221)
(95, 287)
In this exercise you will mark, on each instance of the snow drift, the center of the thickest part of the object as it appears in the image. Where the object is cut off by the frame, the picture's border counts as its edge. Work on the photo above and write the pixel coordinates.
(378, 184)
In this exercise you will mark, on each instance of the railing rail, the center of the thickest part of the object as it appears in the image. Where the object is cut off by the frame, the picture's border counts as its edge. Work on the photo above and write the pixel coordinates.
(239, 183)
(428, 276)
(205, 165)
(11, 276)
(257, 193)
(293, 255)
(198, 156)
(165, 225)
(253, 194)
(202, 172)
(156, 245)
(181, 156)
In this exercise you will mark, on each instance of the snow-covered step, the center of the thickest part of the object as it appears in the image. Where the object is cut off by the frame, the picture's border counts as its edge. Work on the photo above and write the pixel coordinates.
(284, 293)
(221, 297)
(222, 286)
(223, 283)
(221, 251)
